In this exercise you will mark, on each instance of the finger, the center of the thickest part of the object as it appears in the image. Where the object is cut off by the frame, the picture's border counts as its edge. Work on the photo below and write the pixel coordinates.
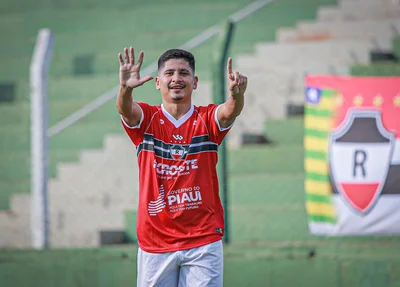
(140, 60)
(146, 79)
(229, 66)
(234, 89)
(126, 55)
(242, 79)
(245, 81)
(121, 61)
(232, 86)
(132, 56)
(237, 77)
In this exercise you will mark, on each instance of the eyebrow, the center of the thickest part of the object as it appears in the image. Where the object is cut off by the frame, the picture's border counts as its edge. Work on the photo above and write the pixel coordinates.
(172, 70)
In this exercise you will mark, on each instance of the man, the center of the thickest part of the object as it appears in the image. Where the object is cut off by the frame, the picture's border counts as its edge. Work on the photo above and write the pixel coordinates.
(180, 220)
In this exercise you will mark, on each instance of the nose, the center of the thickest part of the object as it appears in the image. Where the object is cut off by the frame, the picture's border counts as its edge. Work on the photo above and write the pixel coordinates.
(176, 77)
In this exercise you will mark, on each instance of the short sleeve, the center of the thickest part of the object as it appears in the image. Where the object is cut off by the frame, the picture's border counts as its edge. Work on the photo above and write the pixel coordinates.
(217, 133)
(136, 133)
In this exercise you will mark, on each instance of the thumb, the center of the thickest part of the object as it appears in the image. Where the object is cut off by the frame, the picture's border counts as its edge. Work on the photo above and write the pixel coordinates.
(145, 79)
(234, 88)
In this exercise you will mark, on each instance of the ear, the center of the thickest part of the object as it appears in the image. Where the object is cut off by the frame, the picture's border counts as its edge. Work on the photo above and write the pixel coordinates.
(157, 79)
(195, 81)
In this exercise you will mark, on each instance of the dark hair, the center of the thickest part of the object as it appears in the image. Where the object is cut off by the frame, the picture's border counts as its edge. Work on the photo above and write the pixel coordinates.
(177, 54)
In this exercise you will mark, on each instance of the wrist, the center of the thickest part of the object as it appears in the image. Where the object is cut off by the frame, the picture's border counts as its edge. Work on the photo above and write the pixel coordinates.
(126, 88)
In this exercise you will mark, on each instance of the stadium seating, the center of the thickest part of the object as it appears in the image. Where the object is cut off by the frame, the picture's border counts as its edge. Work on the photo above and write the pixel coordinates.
(94, 184)
(396, 46)
(15, 222)
(68, 92)
(378, 31)
(377, 69)
(353, 11)
(83, 206)
(277, 73)
(74, 22)
(277, 69)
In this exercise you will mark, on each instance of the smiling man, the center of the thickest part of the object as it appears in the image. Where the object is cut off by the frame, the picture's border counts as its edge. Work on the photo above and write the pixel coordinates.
(180, 220)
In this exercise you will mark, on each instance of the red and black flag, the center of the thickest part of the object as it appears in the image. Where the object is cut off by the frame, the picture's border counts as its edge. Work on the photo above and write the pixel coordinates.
(362, 144)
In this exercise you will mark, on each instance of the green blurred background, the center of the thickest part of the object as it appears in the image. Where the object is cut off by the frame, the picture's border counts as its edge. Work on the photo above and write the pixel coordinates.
(270, 242)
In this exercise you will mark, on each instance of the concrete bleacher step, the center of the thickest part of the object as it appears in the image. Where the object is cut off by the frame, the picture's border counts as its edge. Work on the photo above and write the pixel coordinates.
(279, 80)
(76, 220)
(115, 142)
(82, 228)
(109, 19)
(69, 171)
(260, 89)
(118, 184)
(378, 32)
(339, 52)
(276, 84)
(202, 96)
(357, 29)
(89, 196)
(86, 198)
(15, 223)
(356, 11)
(19, 202)
(329, 14)
(253, 117)
(99, 201)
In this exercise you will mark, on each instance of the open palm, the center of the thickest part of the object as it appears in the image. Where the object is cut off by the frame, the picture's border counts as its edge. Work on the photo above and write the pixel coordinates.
(129, 72)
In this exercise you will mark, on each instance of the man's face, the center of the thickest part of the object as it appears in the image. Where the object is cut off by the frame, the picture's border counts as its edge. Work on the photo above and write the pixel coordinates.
(176, 81)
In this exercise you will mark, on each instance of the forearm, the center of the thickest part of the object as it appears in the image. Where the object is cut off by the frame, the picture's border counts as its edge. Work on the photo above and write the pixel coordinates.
(228, 112)
(234, 106)
(126, 106)
(124, 101)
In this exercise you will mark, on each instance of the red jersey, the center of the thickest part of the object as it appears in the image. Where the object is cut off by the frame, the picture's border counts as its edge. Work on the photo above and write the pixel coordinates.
(179, 204)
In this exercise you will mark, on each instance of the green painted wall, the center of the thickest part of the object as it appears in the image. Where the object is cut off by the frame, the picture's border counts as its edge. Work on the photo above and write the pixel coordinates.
(373, 264)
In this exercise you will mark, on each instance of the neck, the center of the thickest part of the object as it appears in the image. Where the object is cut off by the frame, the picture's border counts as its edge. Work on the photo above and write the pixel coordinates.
(177, 110)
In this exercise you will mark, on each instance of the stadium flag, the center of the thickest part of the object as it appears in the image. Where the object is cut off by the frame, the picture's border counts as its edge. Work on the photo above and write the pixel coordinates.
(352, 155)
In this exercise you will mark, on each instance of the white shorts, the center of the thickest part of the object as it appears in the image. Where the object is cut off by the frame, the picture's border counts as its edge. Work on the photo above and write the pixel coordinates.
(200, 266)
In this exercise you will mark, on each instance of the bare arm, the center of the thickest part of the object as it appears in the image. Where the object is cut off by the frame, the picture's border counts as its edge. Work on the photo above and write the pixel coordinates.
(233, 106)
(129, 77)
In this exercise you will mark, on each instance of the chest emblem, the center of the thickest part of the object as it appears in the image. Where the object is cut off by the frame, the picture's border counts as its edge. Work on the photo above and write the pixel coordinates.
(177, 152)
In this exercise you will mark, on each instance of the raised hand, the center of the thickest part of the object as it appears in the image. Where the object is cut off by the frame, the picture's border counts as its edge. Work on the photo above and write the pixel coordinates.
(236, 81)
(129, 72)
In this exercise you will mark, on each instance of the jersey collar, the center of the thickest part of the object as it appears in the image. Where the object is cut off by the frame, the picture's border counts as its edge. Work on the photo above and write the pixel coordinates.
(175, 122)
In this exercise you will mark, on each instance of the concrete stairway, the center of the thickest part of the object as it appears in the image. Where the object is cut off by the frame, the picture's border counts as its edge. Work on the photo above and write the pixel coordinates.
(86, 197)
(378, 32)
(353, 10)
(92, 195)
(15, 223)
(276, 77)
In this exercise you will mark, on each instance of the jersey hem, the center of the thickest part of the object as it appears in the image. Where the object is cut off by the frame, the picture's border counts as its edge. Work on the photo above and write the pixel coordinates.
(213, 239)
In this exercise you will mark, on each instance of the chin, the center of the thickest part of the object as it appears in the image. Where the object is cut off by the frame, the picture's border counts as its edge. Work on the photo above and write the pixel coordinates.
(177, 98)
